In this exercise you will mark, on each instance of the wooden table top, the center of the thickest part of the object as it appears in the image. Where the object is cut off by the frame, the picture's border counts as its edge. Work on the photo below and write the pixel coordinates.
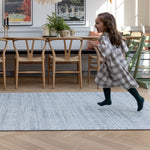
(24, 38)
(47, 37)
(82, 37)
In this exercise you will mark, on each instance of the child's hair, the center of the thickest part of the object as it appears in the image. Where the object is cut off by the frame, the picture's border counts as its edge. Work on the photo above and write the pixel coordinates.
(109, 23)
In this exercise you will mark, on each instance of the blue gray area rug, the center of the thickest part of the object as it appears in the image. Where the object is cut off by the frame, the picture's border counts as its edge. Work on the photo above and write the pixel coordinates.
(71, 111)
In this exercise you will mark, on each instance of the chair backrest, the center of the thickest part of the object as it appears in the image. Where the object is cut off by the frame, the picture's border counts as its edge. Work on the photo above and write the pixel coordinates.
(145, 41)
(3, 47)
(32, 42)
(133, 35)
(133, 45)
(67, 43)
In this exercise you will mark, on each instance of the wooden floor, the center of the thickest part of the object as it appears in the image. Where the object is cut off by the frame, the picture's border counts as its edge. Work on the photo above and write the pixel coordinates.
(70, 140)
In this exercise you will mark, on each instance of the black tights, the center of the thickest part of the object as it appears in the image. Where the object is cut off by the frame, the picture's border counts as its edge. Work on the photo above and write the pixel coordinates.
(132, 91)
(107, 94)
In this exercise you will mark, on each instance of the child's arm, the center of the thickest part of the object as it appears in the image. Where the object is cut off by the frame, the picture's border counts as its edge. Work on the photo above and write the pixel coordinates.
(94, 43)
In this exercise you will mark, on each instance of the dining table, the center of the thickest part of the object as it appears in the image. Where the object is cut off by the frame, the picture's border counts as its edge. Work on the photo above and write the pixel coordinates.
(47, 37)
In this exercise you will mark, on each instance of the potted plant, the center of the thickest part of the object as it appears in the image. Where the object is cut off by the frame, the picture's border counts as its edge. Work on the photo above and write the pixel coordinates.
(56, 24)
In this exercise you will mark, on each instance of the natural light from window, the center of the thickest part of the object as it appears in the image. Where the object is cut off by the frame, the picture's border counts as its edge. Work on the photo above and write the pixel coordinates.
(136, 12)
(103, 8)
(119, 13)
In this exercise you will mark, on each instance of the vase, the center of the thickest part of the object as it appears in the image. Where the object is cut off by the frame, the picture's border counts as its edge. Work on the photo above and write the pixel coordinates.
(64, 33)
(53, 32)
(45, 31)
(72, 33)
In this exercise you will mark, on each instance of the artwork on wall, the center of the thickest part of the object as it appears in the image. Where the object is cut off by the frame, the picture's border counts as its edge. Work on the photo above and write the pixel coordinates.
(19, 12)
(73, 11)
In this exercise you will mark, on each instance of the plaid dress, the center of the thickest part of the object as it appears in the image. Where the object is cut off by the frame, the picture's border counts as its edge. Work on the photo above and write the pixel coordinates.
(114, 69)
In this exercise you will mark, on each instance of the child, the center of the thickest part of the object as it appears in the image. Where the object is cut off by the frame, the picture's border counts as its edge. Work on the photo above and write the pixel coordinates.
(114, 70)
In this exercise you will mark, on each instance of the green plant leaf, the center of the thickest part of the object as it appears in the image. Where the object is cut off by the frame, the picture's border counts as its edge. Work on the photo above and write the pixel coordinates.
(56, 23)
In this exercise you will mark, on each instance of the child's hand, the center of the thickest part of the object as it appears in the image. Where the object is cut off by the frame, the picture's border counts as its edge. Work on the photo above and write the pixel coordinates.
(94, 43)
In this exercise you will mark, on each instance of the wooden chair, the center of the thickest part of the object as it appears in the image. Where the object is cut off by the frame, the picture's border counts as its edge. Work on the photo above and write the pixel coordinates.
(94, 62)
(134, 35)
(132, 54)
(66, 58)
(3, 61)
(139, 74)
(30, 58)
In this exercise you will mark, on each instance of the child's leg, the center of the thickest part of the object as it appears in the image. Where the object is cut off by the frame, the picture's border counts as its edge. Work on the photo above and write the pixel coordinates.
(139, 99)
(107, 94)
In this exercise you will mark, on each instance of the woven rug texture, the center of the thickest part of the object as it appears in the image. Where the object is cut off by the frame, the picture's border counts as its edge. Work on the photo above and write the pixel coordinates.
(71, 111)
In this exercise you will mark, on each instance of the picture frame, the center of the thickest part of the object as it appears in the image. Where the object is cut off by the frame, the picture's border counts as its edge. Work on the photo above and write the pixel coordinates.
(72, 11)
(19, 12)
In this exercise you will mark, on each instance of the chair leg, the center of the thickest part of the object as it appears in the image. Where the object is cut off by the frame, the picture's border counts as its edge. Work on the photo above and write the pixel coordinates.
(16, 76)
(98, 66)
(97, 87)
(49, 67)
(78, 73)
(43, 73)
(14, 71)
(4, 74)
(89, 63)
(80, 66)
(54, 67)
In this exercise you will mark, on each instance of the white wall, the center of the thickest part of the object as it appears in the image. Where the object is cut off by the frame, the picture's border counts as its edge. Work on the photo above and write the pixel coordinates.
(93, 8)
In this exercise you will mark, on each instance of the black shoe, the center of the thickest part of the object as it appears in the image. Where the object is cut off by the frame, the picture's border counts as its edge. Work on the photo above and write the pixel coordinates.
(140, 103)
(105, 102)
(139, 99)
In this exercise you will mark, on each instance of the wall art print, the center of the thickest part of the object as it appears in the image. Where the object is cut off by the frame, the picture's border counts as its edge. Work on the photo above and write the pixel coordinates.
(73, 11)
(18, 11)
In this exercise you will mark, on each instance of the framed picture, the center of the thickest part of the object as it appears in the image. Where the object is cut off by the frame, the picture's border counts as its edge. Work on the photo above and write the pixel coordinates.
(72, 11)
(19, 12)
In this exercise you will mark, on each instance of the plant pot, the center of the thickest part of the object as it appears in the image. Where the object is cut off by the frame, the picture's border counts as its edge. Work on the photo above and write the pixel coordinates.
(64, 33)
(45, 30)
(53, 32)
